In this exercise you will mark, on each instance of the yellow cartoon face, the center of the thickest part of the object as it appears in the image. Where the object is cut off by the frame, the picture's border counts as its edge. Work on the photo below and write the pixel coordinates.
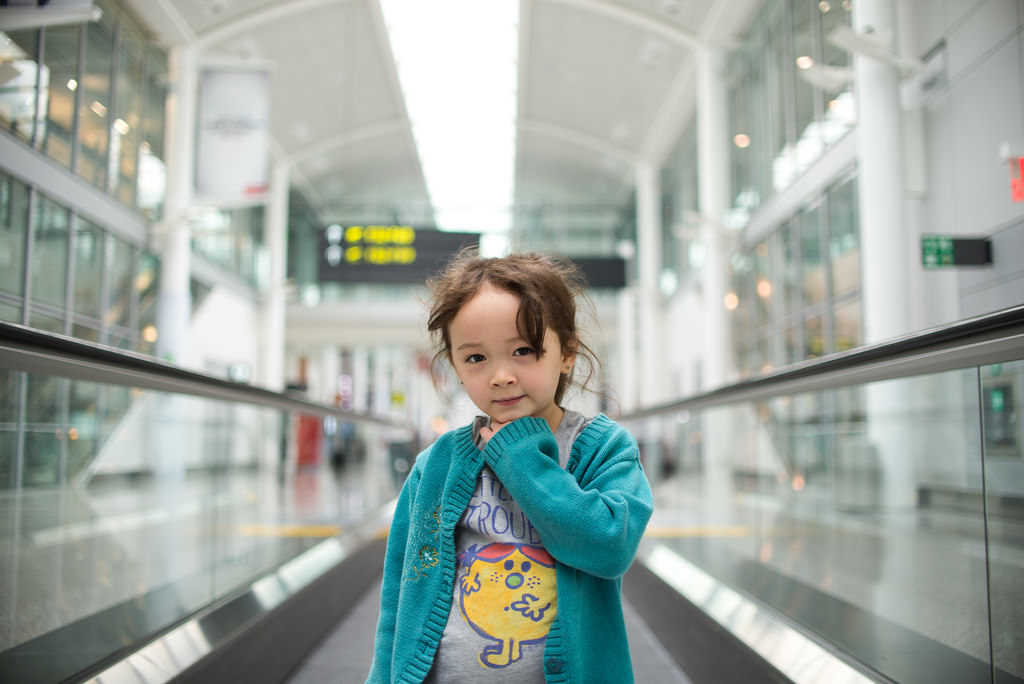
(508, 594)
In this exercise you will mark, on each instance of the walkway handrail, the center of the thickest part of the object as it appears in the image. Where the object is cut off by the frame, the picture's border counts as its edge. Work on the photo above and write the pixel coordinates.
(991, 338)
(35, 351)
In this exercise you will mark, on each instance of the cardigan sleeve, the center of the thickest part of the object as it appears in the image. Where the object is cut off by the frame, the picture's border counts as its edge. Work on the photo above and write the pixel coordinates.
(394, 567)
(591, 518)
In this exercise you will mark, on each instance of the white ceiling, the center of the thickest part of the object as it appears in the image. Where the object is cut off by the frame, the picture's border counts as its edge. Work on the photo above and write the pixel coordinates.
(603, 85)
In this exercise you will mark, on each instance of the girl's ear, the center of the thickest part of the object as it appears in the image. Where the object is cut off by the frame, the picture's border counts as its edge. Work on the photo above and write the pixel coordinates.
(568, 359)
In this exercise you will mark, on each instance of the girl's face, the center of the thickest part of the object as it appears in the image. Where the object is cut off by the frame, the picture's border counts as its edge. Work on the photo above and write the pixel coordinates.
(504, 377)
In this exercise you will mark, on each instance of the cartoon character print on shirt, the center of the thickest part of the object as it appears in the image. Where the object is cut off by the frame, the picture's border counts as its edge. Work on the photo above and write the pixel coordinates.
(507, 593)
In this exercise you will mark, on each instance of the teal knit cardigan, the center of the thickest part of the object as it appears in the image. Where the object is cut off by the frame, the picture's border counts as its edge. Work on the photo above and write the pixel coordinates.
(590, 517)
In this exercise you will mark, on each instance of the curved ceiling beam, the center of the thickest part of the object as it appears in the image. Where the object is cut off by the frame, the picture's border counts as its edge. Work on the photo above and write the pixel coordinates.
(334, 142)
(577, 138)
(637, 19)
(257, 18)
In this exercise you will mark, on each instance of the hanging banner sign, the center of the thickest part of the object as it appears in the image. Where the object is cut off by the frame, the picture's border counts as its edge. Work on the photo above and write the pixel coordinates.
(386, 254)
(232, 137)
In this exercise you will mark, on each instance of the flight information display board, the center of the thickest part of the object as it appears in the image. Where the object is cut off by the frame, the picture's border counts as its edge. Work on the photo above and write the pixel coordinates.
(403, 254)
(386, 254)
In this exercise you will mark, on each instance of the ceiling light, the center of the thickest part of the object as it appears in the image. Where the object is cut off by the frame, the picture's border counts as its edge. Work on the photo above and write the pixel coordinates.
(457, 65)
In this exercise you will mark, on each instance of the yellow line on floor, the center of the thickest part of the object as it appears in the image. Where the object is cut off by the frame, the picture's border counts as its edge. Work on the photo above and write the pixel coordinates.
(289, 530)
(676, 531)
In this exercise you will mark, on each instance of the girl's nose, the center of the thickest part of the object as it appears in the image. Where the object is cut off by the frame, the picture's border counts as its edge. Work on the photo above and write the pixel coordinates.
(502, 377)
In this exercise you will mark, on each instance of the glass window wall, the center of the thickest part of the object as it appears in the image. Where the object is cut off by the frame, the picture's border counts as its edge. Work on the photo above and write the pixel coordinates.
(807, 114)
(14, 204)
(95, 106)
(91, 97)
(146, 285)
(60, 72)
(50, 256)
(112, 292)
(88, 254)
(681, 215)
(18, 101)
(117, 309)
(125, 127)
(797, 290)
(151, 180)
(233, 239)
(790, 98)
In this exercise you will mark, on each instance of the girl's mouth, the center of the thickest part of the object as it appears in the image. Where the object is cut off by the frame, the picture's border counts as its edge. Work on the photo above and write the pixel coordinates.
(508, 402)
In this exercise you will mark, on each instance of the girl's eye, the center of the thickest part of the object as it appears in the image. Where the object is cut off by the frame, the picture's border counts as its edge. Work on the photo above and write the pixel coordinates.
(522, 351)
(474, 358)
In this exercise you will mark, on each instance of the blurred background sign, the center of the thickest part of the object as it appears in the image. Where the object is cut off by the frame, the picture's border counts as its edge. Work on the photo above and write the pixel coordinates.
(232, 137)
(938, 251)
(386, 253)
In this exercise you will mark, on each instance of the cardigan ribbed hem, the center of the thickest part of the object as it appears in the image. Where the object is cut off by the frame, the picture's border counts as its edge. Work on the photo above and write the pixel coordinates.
(588, 440)
(512, 433)
(553, 645)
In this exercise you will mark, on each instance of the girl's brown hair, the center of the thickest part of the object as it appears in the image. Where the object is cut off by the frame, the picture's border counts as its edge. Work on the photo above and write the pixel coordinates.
(547, 288)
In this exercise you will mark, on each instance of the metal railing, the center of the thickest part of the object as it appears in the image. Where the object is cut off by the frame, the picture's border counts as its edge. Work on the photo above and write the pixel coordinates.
(855, 517)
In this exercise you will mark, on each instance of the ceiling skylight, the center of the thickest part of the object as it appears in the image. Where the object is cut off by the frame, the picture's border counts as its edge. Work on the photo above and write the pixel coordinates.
(456, 61)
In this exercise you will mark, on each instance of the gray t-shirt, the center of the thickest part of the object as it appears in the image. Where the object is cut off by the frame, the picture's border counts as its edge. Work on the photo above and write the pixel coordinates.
(505, 595)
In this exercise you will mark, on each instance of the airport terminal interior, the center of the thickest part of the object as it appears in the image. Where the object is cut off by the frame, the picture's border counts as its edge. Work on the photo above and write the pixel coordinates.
(801, 224)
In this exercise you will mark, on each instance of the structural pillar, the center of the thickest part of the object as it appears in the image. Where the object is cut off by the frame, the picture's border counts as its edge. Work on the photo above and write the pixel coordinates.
(360, 379)
(885, 262)
(174, 306)
(648, 271)
(718, 425)
(884, 241)
(276, 232)
(713, 166)
(381, 382)
(627, 385)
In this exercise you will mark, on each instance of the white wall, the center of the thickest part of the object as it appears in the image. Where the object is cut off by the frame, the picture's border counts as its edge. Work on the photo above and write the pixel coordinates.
(225, 329)
(966, 121)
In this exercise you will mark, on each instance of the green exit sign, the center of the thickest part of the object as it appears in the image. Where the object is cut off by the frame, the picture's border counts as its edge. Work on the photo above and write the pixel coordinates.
(938, 251)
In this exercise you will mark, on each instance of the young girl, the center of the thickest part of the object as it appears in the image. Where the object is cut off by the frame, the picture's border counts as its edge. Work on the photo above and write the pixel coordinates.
(511, 535)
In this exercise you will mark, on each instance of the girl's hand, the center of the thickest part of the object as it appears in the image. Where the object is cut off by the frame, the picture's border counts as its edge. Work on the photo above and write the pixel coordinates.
(487, 432)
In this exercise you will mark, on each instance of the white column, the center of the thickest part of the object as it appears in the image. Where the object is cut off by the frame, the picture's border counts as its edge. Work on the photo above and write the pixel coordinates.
(276, 232)
(648, 260)
(884, 242)
(381, 382)
(713, 166)
(174, 305)
(360, 379)
(330, 370)
(719, 425)
(626, 389)
(885, 256)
